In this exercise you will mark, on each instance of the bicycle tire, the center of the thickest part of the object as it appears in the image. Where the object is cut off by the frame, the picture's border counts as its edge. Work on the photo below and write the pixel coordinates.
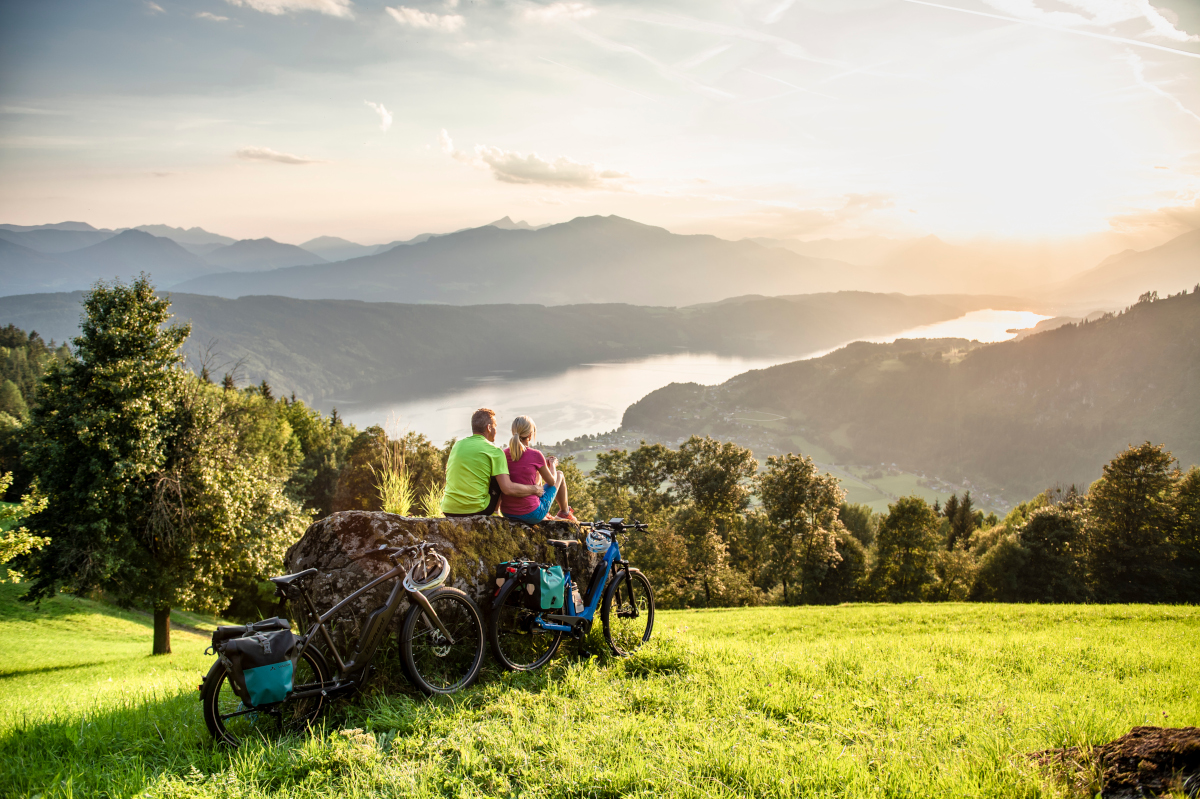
(433, 665)
(217, 695)
(626, 632)
(516, 642)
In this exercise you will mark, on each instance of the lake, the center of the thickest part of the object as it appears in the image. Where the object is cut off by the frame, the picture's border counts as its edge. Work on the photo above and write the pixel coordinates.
(592, 397)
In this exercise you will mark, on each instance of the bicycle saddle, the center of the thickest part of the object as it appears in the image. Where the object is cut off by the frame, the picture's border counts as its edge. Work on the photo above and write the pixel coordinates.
(560, 543)
(288, 579)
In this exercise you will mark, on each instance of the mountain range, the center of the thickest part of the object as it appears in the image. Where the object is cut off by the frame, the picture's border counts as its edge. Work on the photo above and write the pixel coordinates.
(589, 259)
(1015, 416)
(328, 350)
(592, 259)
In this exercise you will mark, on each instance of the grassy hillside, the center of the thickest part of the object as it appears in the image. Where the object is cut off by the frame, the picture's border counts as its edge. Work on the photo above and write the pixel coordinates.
(339, 348)
(929, 700)
(1017, 416)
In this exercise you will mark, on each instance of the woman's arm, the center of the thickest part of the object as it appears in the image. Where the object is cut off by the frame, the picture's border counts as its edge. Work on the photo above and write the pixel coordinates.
(507, 486)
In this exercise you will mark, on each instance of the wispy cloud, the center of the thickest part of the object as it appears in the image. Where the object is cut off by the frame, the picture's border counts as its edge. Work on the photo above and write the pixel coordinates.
(154, 8)
(334, 8)
(1101, 13)
(211, 17)
(558, 11)
(267, 154)
(385, 116)
(25, 109)
(509, 166)
(1139, 73)
(665, 70)
(416, 18)
(1051, 26)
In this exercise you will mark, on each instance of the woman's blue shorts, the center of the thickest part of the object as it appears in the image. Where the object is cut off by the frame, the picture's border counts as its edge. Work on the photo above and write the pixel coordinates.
(539, 513)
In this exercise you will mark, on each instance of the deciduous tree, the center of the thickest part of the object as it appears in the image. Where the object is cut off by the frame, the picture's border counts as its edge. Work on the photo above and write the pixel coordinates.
(905, 545)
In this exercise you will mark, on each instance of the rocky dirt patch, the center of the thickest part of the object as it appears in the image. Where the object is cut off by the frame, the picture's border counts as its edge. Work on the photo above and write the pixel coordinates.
(1146, 761)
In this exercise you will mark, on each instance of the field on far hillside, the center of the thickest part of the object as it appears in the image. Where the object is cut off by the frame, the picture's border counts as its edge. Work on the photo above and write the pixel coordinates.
(861, 700)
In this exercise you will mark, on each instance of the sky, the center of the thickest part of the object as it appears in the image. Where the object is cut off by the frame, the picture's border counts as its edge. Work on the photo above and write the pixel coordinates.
(1015, 120)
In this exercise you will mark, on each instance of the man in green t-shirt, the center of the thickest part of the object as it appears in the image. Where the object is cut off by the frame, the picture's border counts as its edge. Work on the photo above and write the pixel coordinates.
(472, 465)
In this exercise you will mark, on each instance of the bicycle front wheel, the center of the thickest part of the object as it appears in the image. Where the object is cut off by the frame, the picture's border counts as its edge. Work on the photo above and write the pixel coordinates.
(230, 721)
(628, 612)
(518, 642)
(434, 664)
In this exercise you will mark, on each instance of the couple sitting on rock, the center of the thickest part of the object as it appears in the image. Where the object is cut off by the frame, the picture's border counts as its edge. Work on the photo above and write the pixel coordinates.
(479, 475)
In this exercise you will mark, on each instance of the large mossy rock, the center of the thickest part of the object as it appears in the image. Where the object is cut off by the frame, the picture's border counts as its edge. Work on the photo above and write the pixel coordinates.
(345, 549)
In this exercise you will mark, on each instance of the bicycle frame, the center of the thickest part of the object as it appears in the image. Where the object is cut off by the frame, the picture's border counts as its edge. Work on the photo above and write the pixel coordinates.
(373, 632)
(568, 623)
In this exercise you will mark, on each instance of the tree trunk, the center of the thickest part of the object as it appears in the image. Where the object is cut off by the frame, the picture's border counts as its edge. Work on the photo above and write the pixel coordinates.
(162, 631)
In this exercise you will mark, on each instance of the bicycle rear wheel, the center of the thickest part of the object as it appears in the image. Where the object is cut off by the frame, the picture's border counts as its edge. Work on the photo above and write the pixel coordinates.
(628, 612)
(434, 664)
(517, 642)
(230, 722)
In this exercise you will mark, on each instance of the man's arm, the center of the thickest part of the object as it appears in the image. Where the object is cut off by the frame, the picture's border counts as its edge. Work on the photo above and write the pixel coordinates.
(507, 486)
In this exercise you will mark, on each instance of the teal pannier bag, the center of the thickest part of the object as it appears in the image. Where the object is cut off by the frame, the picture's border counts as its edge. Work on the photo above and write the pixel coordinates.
(260, 665)
(551, 584)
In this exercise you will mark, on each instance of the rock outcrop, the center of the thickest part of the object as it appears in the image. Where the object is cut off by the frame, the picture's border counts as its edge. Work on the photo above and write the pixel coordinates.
(344, 548)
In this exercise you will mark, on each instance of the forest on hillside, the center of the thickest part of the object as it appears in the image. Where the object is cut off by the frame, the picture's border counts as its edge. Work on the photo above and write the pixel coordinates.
(160, 487)
(1022, 415)
(323, 349)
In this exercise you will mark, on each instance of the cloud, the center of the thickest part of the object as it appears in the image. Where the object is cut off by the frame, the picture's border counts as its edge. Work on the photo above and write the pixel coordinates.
(385, 116)
(154, 8)
(509, 166)
(557, 11)
(1139, 74)
(334, 8)
(25, 109)
(415, 18)
(211, 17)
(267, 154)
(1100, 13)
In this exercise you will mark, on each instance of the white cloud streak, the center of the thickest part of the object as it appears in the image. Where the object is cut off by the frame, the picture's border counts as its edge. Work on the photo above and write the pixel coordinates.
(333, 8)
(509, 166)
(385, 116)
(1139, 73)
(1102, 13)
(211, 17)
(154, 8)
(416, 18)
(1048, 26)
(267, 154)
(559, 11)
(25, 109)
(665, 70)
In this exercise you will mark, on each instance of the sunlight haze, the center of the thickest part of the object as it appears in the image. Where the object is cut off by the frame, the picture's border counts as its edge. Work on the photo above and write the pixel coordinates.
(1004, 119)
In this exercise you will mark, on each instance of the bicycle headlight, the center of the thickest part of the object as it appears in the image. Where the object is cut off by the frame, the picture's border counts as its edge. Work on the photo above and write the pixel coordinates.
(428, 572)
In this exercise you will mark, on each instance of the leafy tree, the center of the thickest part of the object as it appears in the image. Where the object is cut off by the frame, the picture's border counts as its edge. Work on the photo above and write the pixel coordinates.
(843, 582)
(150, 498)
(356, 484)
(904, 562)
(1131, 511)
(803, 504)
(1054, 570)
(1187, 536)
(11, 401)
(16, 541)
(859, 521)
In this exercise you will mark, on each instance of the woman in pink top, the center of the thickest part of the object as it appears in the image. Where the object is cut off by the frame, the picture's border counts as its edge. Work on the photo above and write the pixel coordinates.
(525, 466)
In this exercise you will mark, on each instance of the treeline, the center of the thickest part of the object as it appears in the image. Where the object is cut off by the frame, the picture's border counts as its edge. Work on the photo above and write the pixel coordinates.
(161, 487)
(726, 533)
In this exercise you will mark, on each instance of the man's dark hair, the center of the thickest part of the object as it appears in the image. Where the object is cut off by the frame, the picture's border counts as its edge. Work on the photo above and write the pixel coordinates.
(481, 419)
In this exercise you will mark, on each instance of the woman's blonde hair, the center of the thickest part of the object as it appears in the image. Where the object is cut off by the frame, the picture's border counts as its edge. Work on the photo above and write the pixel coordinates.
(522, 428)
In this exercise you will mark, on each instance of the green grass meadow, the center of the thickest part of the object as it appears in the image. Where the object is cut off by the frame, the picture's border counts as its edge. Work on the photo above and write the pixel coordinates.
(860, 701)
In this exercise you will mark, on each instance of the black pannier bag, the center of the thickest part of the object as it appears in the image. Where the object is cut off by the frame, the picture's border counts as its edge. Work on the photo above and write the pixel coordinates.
(260, 658)
(540, 587)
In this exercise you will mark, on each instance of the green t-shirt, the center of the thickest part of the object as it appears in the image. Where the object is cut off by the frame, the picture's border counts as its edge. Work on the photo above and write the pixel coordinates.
(472, 464)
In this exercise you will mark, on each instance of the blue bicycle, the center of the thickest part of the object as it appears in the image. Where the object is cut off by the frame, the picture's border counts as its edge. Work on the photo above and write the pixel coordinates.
(524, 636)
